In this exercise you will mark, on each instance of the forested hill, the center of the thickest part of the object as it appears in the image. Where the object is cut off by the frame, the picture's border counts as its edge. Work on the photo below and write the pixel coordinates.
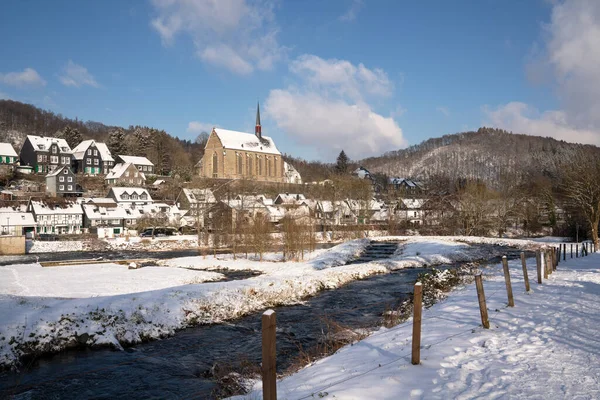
(168, 153)
(488, 154)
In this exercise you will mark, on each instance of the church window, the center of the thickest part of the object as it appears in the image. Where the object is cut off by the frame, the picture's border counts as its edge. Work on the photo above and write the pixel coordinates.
(275, 166)
(240, 169)
(260, 166)
(249, 167)
(215, 166)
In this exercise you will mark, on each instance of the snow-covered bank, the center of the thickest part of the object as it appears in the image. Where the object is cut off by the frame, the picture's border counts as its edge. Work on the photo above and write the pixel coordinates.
(38, 313)
(546, 347)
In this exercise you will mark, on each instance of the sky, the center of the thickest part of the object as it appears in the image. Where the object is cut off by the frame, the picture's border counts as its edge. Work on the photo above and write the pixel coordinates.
(365, 76)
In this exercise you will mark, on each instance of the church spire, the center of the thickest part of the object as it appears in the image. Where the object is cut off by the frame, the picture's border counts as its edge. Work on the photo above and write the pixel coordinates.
(257, 128)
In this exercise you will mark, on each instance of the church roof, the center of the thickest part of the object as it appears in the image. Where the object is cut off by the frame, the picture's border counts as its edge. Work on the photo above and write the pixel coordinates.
(246, 141)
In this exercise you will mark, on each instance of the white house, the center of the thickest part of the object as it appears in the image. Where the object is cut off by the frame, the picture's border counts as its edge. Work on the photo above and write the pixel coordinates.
(8, 155)
(62, 217)
(141, 163)
(288, 198)
(16, 221)
(125, 173)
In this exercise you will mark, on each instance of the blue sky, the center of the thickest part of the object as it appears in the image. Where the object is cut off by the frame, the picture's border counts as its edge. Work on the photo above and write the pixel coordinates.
(364, 76)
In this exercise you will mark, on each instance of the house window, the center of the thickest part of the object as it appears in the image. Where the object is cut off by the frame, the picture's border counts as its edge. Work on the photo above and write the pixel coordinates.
(70, 187)
(54, 159)
(127, 174)
(65, 171)
(39, 158)
(124, 196)
(54, 149)
(89, 152)
(61, 187)
(61, 179)
(45, 157)
(95, 152)
(70, 179)
(134, 196)
(88, 161)
(140, 167)
(96, 161)
(143, 196)
(215, 165)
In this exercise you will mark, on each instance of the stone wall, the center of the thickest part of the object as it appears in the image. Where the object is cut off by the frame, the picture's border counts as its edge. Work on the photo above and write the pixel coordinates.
(12, 245)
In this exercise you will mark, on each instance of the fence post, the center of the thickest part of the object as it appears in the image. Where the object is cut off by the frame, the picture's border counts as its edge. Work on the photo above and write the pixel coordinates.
(538, 264)
(565, 252)
(511, 301)
(482, 306)
(269, 364)
(417, 311)
(577, 250)
(554, 262)
(545, 259)
(558, 251)
(525, 276)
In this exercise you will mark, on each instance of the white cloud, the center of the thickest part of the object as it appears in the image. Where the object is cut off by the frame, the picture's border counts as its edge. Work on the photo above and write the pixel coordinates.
(352, 12)
(444, 110)
(239, 35)
(199, 127)
(28, 77)
(571, 57)
(521, 118)
(77, 76)
(328, 108)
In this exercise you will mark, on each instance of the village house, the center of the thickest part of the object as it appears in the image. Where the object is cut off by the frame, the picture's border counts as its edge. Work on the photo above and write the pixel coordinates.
(238, 155)
(362, 173)
(8, 156)
(59, 217)
(290, 174)
(407, 186)
(104, 213)
(410, 210)
(125, 174)
(16, 221)
(92, 158)
(288, 199)
(196, 202)
(141, 163)
(130, 195)
(62, 182)
(335, 213)
(45, 154)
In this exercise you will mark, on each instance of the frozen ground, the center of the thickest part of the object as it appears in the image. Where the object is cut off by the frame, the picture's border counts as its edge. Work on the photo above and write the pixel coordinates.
(546, 347)
(48, 309)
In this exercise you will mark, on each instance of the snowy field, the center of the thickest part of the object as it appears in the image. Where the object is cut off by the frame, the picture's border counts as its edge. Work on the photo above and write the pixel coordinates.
(49, 309)
(546, 347)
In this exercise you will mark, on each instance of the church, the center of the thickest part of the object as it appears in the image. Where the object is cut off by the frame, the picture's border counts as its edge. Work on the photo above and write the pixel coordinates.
(239, 155)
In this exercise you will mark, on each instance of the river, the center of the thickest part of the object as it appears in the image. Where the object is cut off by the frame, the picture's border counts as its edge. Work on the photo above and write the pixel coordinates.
(179, 366)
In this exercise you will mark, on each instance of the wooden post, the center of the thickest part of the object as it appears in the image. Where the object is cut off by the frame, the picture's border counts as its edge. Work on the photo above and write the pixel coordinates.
(482, 306)
(558, 251)
(417, 311)
(545, 259)
(571, 250)
(525, 276)
(565, 252)
(577, 250)
(538, 263)
(511, 301)
(269, 363)
(553, 268)
(550, 262)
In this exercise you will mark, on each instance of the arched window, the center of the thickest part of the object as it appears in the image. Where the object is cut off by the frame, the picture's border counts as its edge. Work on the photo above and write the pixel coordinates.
(249, 167)
(268, 165)
(215, 166)
(240, 169)
(274, 166)
(260, 166)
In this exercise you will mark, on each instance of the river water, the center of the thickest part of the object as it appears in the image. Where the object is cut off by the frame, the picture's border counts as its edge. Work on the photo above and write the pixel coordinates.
(179, 366)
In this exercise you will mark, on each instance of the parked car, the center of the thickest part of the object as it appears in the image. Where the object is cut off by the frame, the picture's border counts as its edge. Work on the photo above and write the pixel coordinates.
(159, 232)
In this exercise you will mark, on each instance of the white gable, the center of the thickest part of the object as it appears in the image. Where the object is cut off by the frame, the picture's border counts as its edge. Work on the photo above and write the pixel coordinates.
(246, 141)
(44, 143)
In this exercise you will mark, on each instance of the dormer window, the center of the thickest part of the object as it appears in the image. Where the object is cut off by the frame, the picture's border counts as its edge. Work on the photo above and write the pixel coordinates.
(41, 147)
(54, 150)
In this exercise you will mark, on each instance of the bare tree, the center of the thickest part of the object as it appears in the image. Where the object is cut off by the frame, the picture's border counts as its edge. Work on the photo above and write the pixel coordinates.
(582, 187)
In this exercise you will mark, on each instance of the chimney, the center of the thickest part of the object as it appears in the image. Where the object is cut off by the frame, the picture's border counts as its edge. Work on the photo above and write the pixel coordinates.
(257, 128)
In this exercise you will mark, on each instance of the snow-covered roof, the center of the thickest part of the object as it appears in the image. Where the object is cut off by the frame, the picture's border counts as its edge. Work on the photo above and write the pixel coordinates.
(413, 204)
(118, 170)
(81, 148)
(17, 218)
(42, 208)
(118, 191)
(199, 196)
(57, 171)
(136, 160)
(43, 143)
(158, 182)
(17, 208)
(289, 198)
(93, 211)
(97, 201)
(245, 141)
(6, 149)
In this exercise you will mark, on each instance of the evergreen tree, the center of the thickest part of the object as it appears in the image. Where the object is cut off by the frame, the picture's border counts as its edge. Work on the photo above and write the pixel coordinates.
(341, 166)
(72, 136)
(116, 142)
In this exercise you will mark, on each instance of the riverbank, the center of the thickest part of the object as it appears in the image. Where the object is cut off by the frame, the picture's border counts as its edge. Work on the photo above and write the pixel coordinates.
(545, 347)
(37, 316)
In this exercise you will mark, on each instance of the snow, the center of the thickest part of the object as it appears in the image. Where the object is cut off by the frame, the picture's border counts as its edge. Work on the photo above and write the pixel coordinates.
(43, 143)
(233, 140)
(46, 309)
(136, 160)
(81, 148)
(38, 246)
(6, 149)
(545, 347)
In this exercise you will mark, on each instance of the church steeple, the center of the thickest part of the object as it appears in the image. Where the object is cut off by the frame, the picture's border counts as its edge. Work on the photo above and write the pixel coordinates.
(257, 128)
